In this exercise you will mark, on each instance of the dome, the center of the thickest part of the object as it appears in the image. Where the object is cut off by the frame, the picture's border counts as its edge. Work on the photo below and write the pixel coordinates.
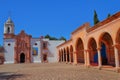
(9, 20)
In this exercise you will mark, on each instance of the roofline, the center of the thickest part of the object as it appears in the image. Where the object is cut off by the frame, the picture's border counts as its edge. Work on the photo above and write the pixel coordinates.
(109, 19)
(64, 43)
(79, 28)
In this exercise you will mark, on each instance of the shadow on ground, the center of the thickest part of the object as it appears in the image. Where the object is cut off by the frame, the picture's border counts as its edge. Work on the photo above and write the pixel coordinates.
(9, 76)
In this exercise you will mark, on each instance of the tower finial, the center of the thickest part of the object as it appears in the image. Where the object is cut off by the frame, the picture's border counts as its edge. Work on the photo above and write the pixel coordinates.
(9, 14)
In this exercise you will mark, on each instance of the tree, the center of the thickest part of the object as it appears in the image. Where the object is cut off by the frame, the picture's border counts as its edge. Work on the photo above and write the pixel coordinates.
(62, 38)
(50, 38)
(54, 38)
(47, 36)
(108, 15)
(96, 20)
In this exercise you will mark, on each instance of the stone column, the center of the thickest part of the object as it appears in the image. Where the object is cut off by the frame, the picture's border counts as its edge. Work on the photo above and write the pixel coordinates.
(66, 57)
(116, 58)
(15, 55)
(59, 57)
(87, 58)
(75, 57)
(99, 58)
(63, 58)
(70, 59)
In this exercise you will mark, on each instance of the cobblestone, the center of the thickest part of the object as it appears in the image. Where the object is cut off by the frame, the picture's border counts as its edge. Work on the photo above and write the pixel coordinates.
(54, 71)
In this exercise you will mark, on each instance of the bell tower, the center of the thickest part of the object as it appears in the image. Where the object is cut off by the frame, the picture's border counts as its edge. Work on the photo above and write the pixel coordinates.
(9, 29)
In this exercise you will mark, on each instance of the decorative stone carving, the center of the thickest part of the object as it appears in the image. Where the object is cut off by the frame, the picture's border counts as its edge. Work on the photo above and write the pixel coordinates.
(22, 46)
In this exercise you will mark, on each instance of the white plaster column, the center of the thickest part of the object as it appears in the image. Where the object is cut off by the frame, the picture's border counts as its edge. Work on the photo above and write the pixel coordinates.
(99, 58)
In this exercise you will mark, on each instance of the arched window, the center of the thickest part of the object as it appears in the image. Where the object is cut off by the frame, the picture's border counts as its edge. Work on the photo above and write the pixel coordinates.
(44, 45)
(8, 29)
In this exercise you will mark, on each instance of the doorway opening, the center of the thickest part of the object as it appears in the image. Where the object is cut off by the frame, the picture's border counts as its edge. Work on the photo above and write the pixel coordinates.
(22, 58)
(45, 58)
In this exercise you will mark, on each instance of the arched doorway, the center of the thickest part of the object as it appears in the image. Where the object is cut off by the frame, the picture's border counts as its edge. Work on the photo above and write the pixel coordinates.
(44, 57)
(64, 55)
(104, 54)
(68, 57)
(22, 58)
(107, 50)
(71, 53)
(92, 46)
(59, 56)
(80, 51)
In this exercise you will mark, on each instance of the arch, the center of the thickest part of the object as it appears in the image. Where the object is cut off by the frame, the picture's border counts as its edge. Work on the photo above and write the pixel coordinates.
(118, 37)
(71, 52)
(92, 46)
(22, 58)
(107, 50)
(68, 59)
(59, 55)
(64, 54)
(8, 30)
(80, 50)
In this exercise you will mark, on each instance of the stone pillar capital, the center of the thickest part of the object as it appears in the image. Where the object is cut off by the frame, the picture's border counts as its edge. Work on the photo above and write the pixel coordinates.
(87, 50)
(99, 48)
(117, 45)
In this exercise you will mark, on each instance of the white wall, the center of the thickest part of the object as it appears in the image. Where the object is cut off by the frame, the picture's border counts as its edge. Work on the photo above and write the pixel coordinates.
(53, 55)
(9, 50)
(37, 58)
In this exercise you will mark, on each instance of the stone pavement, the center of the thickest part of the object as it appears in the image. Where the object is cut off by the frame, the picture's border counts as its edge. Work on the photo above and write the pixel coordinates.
(54, 71)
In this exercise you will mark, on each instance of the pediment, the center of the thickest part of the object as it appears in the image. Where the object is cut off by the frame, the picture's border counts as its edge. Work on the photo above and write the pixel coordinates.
(22, 34)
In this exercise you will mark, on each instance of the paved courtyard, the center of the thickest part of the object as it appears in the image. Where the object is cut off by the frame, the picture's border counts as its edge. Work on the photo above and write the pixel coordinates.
(54, 71)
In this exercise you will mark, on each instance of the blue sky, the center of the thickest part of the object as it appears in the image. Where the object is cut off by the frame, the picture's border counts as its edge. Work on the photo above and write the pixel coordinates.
(54, 17)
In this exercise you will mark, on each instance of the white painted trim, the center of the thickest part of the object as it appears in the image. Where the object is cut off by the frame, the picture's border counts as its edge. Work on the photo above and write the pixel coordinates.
(9, 62)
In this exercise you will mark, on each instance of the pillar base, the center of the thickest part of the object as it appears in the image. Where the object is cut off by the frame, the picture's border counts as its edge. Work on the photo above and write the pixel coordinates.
(117, 70)
(66, 62)
(87, 66)
(75, 64)
(99, 67)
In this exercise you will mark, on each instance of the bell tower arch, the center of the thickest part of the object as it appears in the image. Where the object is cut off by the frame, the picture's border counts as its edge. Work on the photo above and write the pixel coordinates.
(9, 28)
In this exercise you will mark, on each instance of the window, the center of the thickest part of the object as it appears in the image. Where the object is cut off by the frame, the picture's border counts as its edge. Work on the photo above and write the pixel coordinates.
(9, 44)
(44, 45)
(35, 43)
(8, 30)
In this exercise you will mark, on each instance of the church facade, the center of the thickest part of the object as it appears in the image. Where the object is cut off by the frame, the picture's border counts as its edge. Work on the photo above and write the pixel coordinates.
(94, 46)
(22, 48)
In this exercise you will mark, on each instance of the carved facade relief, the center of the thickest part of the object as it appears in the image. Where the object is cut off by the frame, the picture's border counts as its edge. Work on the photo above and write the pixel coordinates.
(22, 47)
